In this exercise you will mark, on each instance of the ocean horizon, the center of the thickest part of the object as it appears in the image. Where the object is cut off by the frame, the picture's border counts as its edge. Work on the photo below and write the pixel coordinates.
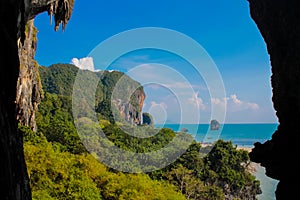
(244, 134)
(241, 135)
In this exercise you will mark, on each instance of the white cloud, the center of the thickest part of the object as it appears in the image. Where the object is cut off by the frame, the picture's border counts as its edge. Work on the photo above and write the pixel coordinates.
(86, 63)
(197, 101)
(234, 104)
(242, 105)
(219, 102)
(235, 100)
(253, 106)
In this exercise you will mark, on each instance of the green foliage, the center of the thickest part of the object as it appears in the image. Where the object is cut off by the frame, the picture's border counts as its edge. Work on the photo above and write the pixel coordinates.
(221, 172)
(59, 79)
(226, 165)
(105, 111)
(138, 186)
(55, 121)
(61, 175)
(140, 139)
(55, 175)
(191, 186)
(59, 166)
(118, 85)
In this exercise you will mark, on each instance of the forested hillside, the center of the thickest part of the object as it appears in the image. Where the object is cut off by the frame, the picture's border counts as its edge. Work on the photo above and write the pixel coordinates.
(59, 79)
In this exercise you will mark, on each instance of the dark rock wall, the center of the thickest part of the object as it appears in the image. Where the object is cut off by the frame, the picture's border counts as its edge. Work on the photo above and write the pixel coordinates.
(13, 174)
(278, 22)
(14, 15)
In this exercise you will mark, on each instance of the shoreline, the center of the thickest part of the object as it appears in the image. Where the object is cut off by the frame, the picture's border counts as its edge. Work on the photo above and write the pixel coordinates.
(238, 147)
(267, 184)
(249, 149)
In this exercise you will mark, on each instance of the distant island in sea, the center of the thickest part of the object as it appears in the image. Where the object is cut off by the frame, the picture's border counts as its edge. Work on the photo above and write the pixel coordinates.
(214, 125)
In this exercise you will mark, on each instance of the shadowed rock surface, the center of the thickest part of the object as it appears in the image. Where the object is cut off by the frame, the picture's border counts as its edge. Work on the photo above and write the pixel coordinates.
(278, 22)
(14, 15)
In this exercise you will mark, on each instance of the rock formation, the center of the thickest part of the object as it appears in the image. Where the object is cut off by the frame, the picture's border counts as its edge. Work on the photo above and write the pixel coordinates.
(148, 119)
(214, 125)
(278, 22)
(29, 89)
(132, 111)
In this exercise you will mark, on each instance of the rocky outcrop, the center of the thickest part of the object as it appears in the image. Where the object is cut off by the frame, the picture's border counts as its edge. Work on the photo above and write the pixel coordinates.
(60, 9)
(214, 125)
(125, 95)
(278, 22)
(131, 111)
(148, 120)
(29, 88)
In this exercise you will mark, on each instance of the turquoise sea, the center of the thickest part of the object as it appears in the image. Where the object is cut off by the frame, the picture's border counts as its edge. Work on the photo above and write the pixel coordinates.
(242, 135)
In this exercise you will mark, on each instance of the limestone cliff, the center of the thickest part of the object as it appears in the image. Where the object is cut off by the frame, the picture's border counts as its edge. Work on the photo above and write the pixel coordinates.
(29, 89)
(132, 111)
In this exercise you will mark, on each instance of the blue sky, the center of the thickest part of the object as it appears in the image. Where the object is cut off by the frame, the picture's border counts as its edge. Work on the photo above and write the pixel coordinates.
(223, 28)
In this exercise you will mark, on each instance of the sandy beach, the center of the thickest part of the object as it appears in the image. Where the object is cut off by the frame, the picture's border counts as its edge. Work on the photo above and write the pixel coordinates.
(249, 149)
